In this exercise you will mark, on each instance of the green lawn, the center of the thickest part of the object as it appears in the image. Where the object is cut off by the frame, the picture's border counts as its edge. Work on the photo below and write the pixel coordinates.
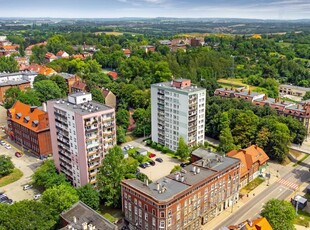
(14, 176)
(252, 185)
(112, 214)
(303, 218)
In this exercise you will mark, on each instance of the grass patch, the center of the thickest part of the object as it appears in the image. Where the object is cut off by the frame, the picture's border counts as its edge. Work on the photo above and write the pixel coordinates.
(252, 185)
(301, 160)
(289, 99)
(112, 214)
(234, 82)
(302, 219)
(14, 176)
(129, 138)
(295, 153)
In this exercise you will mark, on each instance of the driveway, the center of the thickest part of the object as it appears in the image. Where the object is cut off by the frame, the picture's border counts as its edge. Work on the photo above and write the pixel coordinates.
(159, 170)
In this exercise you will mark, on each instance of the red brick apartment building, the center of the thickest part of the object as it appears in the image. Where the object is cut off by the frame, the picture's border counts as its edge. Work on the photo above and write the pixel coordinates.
(186, 199)
(28, 126)
(299, 111)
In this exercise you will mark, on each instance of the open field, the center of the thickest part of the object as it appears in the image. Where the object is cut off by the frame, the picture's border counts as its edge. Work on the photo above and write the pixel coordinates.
(234, 82)
(14, 176)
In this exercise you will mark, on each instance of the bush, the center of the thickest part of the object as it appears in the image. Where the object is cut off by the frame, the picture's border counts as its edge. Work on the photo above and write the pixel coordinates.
(165, 149)
(148, 142)
(159, 147)
(153, 145)
(6, 165)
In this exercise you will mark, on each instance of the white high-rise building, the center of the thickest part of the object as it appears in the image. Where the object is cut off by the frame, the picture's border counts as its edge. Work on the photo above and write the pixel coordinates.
(82, 131)
(178, 109)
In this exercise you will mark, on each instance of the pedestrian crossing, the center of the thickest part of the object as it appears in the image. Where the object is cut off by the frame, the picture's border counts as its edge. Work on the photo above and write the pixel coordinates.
(289, 184)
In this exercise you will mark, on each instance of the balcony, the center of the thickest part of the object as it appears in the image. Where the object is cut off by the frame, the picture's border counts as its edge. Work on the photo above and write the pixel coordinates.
(93, 166)
(94, 158)
(192, 113)
(192, 118)
(106, 119)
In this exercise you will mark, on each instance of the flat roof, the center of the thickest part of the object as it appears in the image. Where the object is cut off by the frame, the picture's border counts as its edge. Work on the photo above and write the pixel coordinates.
(18, 73)
(272, 101)
(171, 185)
(82, 109)
(65, 75)
(296, 87)
(19, 82)
(167, 85)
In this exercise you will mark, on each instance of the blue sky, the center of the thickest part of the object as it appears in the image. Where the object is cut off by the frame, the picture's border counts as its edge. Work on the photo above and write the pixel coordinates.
(260, 9)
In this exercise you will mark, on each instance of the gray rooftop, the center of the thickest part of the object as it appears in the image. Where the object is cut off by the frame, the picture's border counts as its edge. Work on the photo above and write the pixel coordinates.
(19, 82)
(296, 107)
(85, 214)
(66, 75)
(167, 85)
(82, 109)
(272, 101)
(18, 73)
(246, 93)
(296, 87)
(170, 186)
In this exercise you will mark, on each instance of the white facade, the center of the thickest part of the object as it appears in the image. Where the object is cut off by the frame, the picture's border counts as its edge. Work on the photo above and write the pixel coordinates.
(177, 112)
(18, 76)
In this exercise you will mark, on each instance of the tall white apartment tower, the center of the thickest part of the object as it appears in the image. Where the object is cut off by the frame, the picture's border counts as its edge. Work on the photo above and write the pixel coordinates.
(82, 131)
(178, 109)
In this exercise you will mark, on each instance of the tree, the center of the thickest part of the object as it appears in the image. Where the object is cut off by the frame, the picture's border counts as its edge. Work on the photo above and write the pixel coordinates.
(59, 198)
(307, 96)
(97, 95)
(40, 77)
(113, 170)
(280, 214)
(47, 176)
(27, 215)
(8, 64)
(89, 196)
(29, 97)
(140, 99)
(38, 54)
(121, 135)
(6, 165)
(122, 118)
(176, 168)
(11, 96)
(47, 90)
(226, 141)
(182, 150)
(62, 84)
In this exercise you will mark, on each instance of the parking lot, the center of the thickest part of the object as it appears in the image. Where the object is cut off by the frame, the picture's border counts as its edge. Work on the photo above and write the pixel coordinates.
(159, 169)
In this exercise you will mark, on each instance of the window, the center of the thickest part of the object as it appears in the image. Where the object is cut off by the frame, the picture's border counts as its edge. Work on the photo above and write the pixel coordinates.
(146, 216)
(162, 214)
(179, 207)
(153, 221)
(153, 212)
(162, 224)
(169, 213)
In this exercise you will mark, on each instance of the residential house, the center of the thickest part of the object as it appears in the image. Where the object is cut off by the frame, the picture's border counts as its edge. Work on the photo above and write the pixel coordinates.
(109, 97)
(127, 52)
(253, 161)
(28, 50)
(183, 200)
(41, 69)
(80, 216)
(148, 48)
(62, 54)
(71, 79)
(4, 86)
(10, 78)
(197, 41)
(28, 126)
(293, 90)
(8, 50)
(49, 57)
(113, 75)
(78, 86)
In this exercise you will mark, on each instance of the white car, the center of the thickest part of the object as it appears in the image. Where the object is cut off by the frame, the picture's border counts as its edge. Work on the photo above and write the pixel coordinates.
(8, 146)
(37, 196)
(2, 142)
(130, 146)
(27, 186)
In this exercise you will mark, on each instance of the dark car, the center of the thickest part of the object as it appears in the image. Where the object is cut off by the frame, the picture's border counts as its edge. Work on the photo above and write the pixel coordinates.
(152, 163)
(159, 160)
(8, 201)
(18, 154)
(184, 164)
(142, 166)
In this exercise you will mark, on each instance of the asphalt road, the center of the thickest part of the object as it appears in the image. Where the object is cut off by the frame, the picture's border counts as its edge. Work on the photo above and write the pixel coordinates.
(250, 210)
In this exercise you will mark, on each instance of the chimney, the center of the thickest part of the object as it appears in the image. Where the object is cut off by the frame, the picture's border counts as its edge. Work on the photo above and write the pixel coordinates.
(90, 227)
(198, 170)
(74, 219)
(265, 97)
(258, 227)
(84, 226)
(158, 186)
(256, 146)
(249, 92)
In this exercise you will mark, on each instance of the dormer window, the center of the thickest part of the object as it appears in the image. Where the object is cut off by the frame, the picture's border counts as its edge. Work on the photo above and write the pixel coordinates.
(35, 123)
(18, 115)
(26, 119)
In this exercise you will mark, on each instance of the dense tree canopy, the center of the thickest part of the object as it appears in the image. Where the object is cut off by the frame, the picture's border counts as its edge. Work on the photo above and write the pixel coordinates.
(89, 196)
(6, 165)
(8, 64)
(47, 90)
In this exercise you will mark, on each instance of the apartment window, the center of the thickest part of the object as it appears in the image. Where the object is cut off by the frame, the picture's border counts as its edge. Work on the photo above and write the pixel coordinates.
(145, 207)
(169, 213)
(162, 214)
(146, 216)
(153, 212)
(153, 221)
(140, 212)
(136, 210)
(125, 204)
(135, 201)
(140, 205)
(179, 207)
(162, 224)
(169, 222)
(178, 216)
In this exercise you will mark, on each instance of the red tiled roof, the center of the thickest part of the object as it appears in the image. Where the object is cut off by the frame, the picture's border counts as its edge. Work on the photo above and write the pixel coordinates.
(126, 51)
(49, 55)
(113, 74)
(24, 113)
(79, 85)
(40, 69)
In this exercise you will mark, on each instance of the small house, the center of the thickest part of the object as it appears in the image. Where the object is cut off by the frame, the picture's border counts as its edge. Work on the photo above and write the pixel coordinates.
(300, 201)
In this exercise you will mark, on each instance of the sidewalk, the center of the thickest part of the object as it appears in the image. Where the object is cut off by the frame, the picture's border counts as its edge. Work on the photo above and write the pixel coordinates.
(275, 176)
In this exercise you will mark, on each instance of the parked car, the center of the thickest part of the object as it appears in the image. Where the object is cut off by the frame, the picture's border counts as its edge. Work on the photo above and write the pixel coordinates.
(184, 164)
(18, 154)
(8, 146)
(130, 146)
(159, 159)
(8, 201)
(152, 163)
(152, 155)
(142, 166)
(37, 196)
(27, 186)
(147, 164)
(2, 142)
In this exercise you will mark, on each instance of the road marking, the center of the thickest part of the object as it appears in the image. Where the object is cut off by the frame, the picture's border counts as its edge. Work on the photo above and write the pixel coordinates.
(288, 184)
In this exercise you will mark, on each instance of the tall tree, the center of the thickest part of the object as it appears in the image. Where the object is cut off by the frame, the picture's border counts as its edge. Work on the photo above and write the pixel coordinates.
(11, 96)
(38, 54)
(122, 118)
(97, 95)
(113, 170)
(8, 64)
(47, 90)
(183, 149)
(121, 135)
(6, 165)
(89, 196)
(280, 214)
(226, 141)
(62, 84)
